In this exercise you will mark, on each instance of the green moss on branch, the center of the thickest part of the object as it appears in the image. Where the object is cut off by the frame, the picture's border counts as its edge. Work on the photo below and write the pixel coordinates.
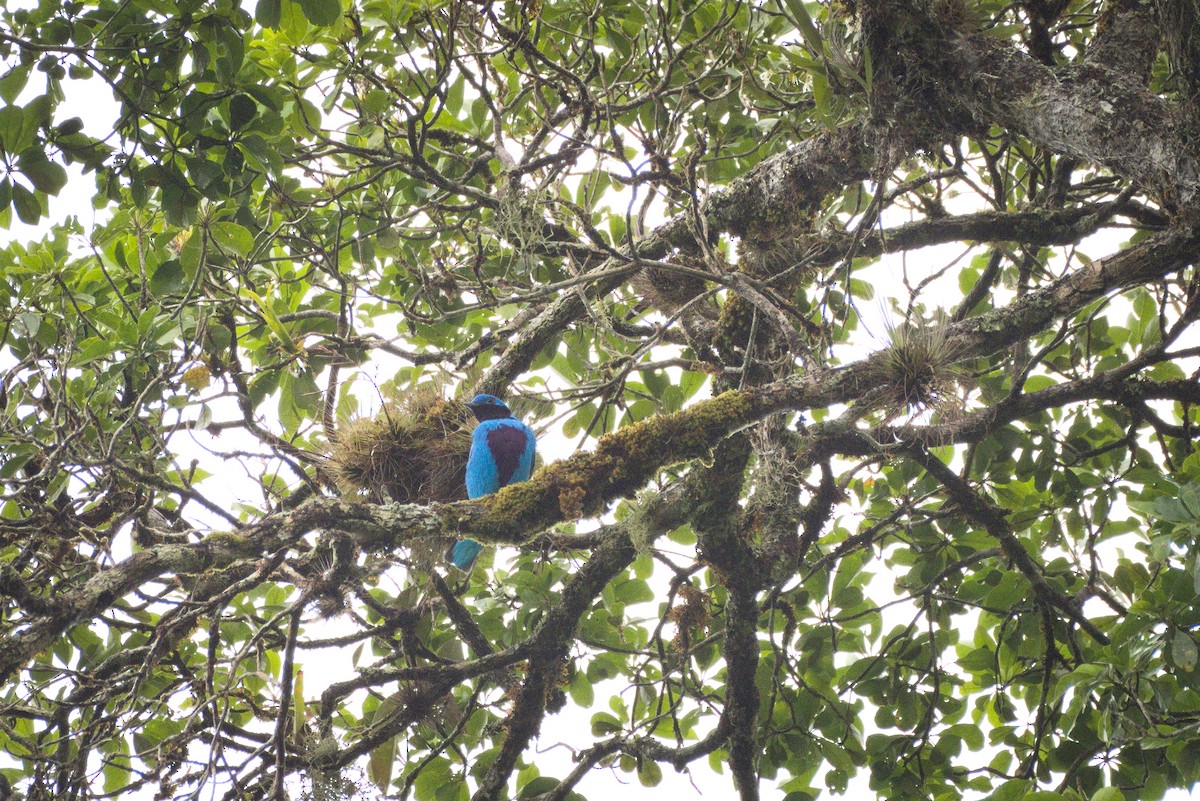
(622, 463)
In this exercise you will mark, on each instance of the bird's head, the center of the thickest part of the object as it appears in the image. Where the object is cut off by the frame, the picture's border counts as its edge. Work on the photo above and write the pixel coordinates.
(488, 407)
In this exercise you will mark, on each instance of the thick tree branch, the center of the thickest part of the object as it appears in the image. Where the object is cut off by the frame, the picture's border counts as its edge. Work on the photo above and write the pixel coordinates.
(722, 545)
(622, 463)
(782, 189)
(1096, 114)
(1180, 21)
(1126, 39)
(967, 81)
(993, 519)
(546, 659)
(1038, 227)
(217, 552)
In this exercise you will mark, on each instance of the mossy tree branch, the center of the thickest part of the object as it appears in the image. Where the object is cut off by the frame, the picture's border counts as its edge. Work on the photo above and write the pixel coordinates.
(621, 464)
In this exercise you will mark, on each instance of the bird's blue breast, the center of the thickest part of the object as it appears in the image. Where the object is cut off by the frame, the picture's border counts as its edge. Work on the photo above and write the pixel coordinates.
(501, 454)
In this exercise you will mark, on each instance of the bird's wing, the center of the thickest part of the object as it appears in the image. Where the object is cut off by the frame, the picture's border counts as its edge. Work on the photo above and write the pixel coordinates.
(482, 477)
(525, 467)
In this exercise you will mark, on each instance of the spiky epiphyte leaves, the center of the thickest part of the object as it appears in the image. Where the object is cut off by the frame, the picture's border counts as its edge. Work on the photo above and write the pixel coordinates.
(327, 572)
(918, 372)
(413, 451)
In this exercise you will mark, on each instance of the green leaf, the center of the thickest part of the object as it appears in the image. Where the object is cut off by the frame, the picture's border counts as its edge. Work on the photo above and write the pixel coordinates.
(15, 459)
(582, 692)
(380, 764)
(37, 114)
(290, 415)
(649, 773)
(268, 313)
(804, 22)
(972, 735)
(116, 771)
(12, 130)
(634, 591)
(14, 81)
(604, 723)
(1183, 650)
(69, 126)
(168, 278)
(29, 208)
(322, 12)
(377, 101)
(433, 777)
(242, 109)
(267, 13)
(538, 786)
(306, 394)
(822, 95)
(45, 175)
(1011, 790)
(232, 238)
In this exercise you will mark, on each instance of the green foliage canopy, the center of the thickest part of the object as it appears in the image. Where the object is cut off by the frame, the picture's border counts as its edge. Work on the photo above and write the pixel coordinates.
(871, 325)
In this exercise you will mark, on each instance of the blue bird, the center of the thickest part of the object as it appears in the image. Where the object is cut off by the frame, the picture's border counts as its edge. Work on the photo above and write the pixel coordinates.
(502, 450)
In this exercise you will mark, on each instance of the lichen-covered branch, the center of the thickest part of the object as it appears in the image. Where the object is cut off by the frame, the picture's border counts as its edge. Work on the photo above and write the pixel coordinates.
(621, 464)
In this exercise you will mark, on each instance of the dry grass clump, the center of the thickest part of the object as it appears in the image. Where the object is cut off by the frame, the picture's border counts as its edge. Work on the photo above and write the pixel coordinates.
(414, 450)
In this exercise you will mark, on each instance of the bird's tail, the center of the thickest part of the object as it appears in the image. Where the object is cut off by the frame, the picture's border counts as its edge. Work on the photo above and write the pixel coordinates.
(463, 553)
